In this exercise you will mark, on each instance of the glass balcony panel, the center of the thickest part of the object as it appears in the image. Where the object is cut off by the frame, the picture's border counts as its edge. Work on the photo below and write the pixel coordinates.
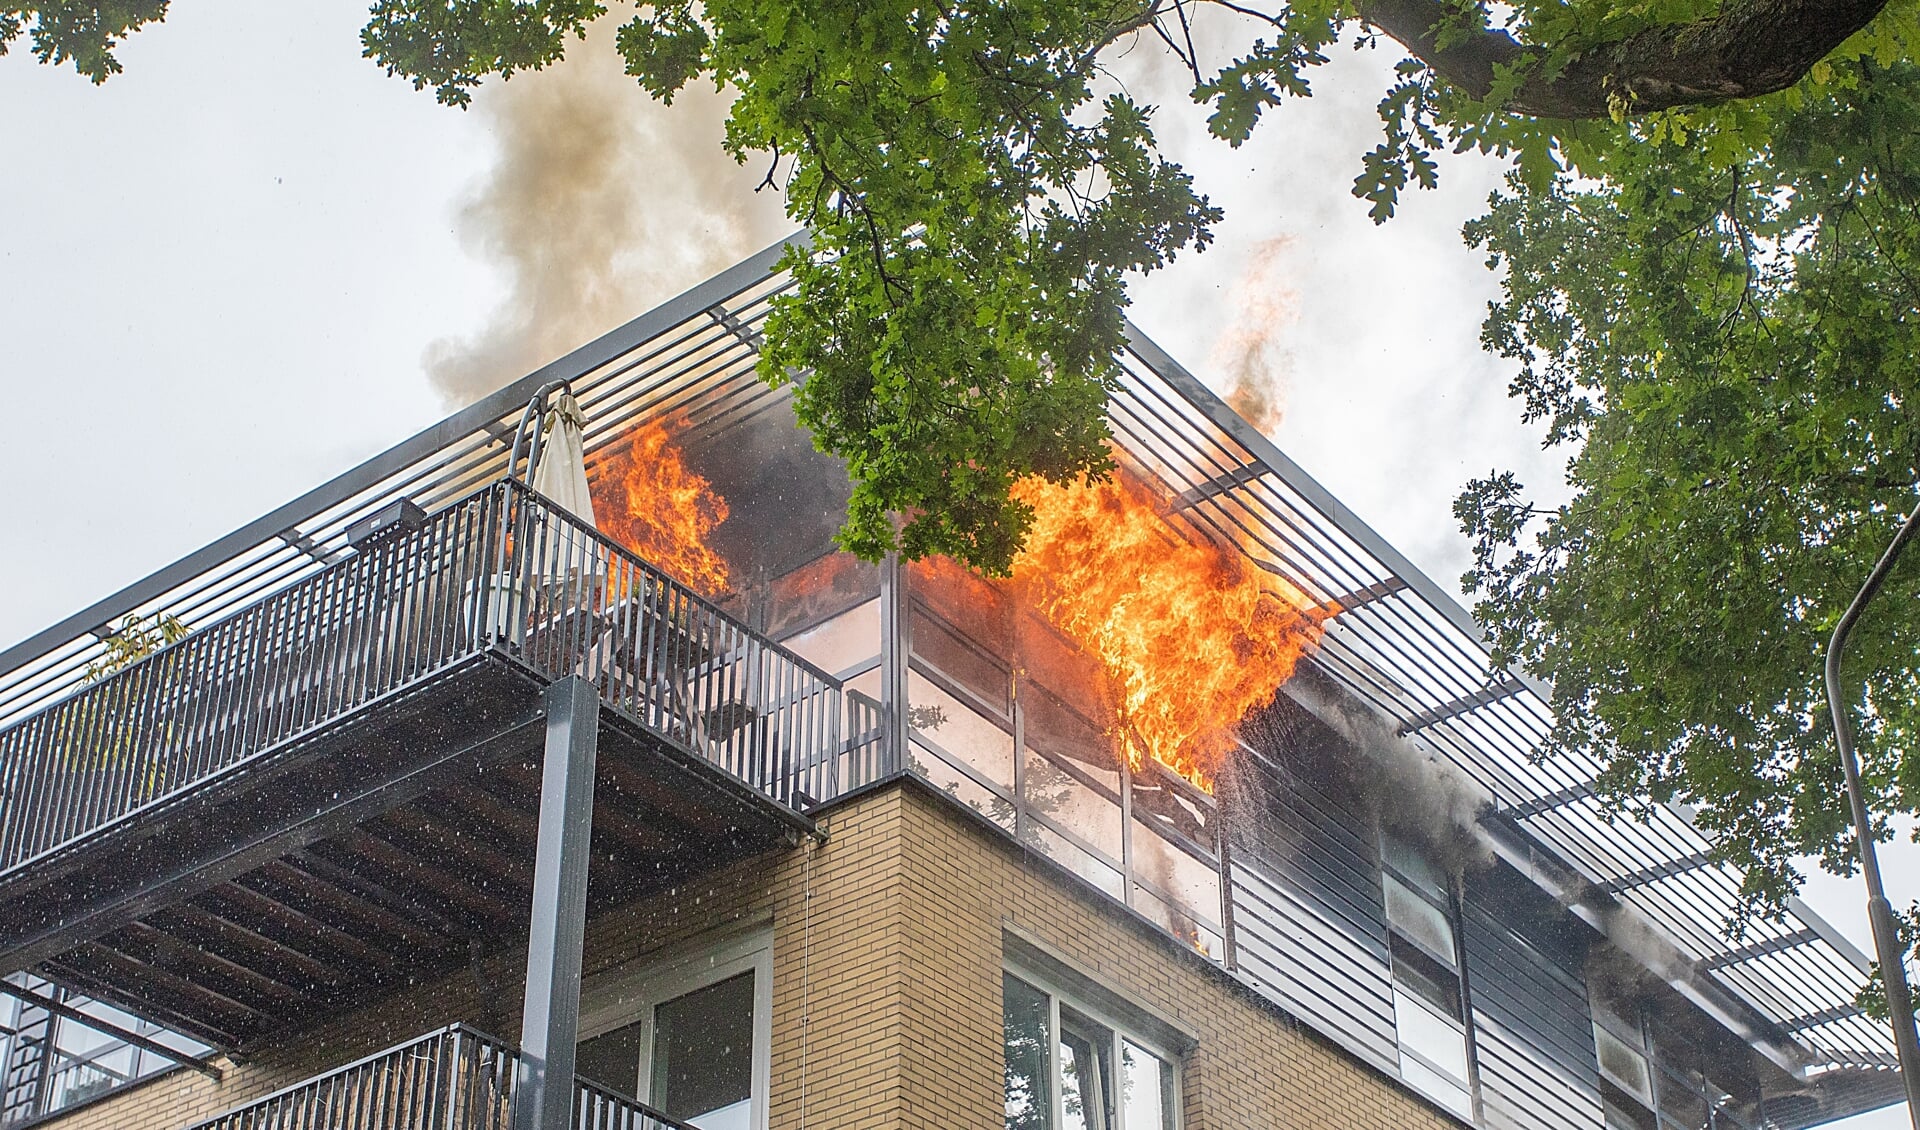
(1191, 884)
(1174, 807)
(1057, 793)
(1075, 858)
(1068, 733)
(969, 646)
(818, 591)
(952, 779)
(963, 732)
(842, 643)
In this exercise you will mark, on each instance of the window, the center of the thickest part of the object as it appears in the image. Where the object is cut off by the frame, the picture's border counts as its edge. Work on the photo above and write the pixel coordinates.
(51, 1063)
(1429, 1008)
(690, 1038)
(1626, 1078)
(1069, 1069)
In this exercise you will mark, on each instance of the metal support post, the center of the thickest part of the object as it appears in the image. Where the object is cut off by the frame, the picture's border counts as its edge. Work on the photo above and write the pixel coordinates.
(893, 664)
(550, 1018)
(1886, 935)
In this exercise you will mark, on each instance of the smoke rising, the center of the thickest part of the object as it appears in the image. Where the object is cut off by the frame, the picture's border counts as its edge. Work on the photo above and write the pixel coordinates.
(1249, 353)
(1413, 792)
(601, 203)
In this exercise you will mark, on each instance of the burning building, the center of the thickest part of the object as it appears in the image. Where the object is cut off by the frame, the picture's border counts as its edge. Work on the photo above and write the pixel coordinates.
(1213, 814)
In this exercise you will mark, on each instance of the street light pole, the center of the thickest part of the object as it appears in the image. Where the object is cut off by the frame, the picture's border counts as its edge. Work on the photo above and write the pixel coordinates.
(1886, 936)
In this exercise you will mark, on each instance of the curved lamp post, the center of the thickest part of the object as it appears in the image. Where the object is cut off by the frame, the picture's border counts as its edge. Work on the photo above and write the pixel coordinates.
(1886, 936)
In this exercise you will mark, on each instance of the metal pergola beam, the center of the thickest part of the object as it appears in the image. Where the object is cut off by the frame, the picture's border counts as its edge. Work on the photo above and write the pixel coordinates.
(1547, 802)
(1659, 871)
(1218, 485)
(1824, 1016)
(1378, 590)
(1798, 938)
(1505, 687)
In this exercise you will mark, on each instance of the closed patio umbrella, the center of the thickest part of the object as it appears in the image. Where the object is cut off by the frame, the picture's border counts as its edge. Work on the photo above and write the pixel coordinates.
(561, 474)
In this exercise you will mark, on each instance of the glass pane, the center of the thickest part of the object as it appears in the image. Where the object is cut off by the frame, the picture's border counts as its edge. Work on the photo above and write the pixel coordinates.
(1146, 1087)
(968, 643)
(1413, 865)
(1192, 885)
(1073, 804)
(1623, 1064)
(819, 590)
(1419, 920)
(1169, 806)
(1680, 1104)
(1178, 923)
(984, 743)
(933, 765)
(1029, 1096)
(1426, 978)
(842, 642)
(1065, 851)
(612, 1059)
(703, 1054)
(1069, 734)
(1086, 1073)
(1427, 1033)
(1437, 1087)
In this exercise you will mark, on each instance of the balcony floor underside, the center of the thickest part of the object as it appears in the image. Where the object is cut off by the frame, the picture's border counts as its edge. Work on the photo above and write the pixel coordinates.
(389, 851)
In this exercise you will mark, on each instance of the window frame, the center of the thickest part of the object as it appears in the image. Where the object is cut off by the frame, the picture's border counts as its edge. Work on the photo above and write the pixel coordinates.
(1392, 845)
(1121, 1032)
(631, 993)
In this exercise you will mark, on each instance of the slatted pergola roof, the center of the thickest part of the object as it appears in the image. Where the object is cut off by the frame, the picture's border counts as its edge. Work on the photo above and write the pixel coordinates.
(1401, 643)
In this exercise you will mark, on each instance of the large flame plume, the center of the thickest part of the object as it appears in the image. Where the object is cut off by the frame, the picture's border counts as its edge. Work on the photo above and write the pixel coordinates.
(648, 499)
(1190, 636)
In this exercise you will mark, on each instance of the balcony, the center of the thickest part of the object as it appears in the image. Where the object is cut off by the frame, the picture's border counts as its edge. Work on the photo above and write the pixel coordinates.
(336, 789)
(453, 1079)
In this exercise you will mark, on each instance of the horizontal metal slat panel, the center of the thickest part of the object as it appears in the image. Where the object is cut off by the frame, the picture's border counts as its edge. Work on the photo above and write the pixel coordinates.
(1533, 1033)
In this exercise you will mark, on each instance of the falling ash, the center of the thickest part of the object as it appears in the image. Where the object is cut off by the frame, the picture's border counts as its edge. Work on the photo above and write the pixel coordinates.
(601, 203)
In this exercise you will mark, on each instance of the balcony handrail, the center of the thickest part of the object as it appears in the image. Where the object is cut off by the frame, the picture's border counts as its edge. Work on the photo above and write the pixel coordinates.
(502, 569)
(694, 596)
(453, 1078)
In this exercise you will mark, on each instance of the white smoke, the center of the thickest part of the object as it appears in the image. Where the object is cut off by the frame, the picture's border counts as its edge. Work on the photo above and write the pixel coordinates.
(1413, 792)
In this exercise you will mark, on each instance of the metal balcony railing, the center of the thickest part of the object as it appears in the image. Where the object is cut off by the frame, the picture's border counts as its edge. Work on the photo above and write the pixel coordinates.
(501, 570)
(453, 1079)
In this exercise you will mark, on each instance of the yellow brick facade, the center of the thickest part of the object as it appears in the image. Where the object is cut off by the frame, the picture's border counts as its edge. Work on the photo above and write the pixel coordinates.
(887, 958)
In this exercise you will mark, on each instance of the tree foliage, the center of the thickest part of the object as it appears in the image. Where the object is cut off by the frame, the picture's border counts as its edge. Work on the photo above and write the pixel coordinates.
(977, 205)
(1726, 334)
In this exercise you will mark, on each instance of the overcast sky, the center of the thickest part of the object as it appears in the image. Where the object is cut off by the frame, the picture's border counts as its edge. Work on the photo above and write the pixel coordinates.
(222, 274)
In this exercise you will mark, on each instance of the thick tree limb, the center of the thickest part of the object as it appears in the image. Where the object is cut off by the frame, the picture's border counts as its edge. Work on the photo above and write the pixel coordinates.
(1752, 47)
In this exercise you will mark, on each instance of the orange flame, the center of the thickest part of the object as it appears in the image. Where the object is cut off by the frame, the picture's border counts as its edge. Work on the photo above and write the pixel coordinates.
(647, 499)
(1190, 637)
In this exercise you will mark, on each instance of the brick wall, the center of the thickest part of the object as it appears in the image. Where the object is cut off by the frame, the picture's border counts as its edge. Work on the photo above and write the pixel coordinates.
(887, 959)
